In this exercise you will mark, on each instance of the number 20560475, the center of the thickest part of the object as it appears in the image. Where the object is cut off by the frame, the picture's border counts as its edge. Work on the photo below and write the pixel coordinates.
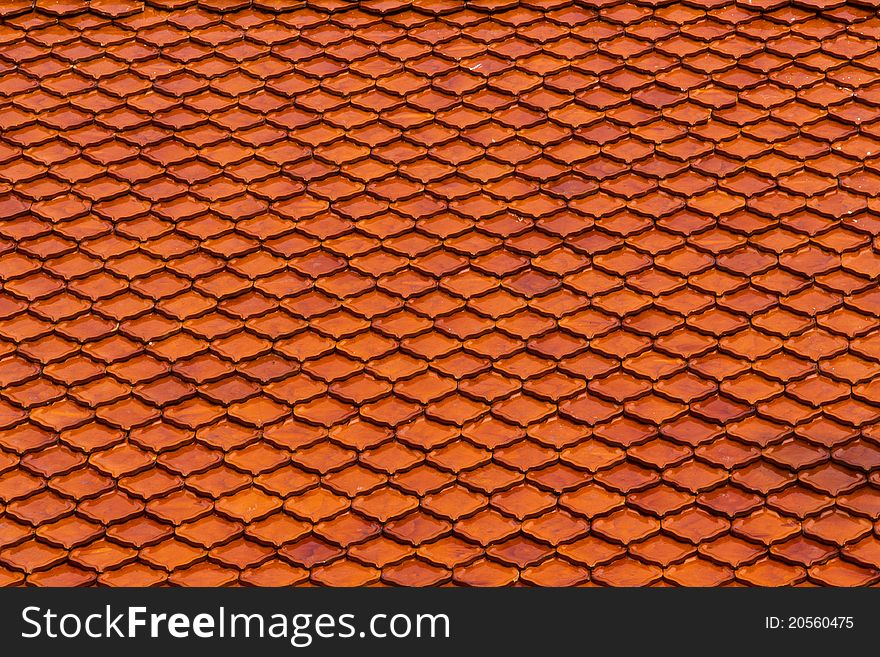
(809, 622)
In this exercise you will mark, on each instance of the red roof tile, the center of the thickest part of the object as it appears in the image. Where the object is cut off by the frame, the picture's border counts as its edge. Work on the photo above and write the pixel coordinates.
(416, 293)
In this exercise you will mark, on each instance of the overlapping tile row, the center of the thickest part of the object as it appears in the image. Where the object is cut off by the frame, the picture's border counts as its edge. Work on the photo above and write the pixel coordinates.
(435, 292)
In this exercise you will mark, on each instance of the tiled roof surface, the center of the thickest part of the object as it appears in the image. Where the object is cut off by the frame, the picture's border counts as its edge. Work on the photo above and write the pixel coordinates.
(430, 292)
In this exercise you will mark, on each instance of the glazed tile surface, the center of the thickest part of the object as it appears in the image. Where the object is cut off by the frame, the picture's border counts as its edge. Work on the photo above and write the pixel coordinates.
(421, 293)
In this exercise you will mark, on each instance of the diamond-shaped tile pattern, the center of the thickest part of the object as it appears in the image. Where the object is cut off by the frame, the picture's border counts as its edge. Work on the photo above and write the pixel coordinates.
(439, 292)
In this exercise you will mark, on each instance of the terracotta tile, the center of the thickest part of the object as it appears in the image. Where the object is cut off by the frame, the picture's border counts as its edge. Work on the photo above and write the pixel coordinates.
(179, 507)
(63, 575)
(555, 527)
(310, 551)
(837, 527)
(241, 553)
(102, 555)
(68, 532)
(699, 572)
(247, 505)
(139, 532)
(345, 573)
(136, 574)
(209, 531)
(626, 572)
(273, 573)
(515, 312)
(801, 550)
(837, 572)
(40, 508)
(695, 525)
(625, 526)
(519, 552)
(556, 573)
(449, 551)
(767, 572)
(417, 528)
(32, 556)
(485, 573)
(171, 555)
(203, 574)
(415, 573)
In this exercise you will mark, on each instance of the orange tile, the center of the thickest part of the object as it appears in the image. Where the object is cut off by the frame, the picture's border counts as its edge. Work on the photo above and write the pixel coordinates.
(335, 310)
